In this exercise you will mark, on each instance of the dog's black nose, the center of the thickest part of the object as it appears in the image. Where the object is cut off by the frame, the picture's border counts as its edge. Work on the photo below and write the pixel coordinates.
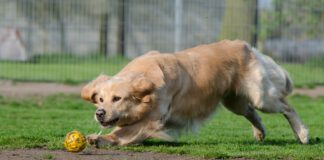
(100, 113)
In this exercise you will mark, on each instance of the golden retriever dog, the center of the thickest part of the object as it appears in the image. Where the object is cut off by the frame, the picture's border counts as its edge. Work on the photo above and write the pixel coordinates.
(159, 95)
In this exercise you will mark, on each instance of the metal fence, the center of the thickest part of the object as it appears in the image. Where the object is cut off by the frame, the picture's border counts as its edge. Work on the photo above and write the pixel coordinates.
(289, 31)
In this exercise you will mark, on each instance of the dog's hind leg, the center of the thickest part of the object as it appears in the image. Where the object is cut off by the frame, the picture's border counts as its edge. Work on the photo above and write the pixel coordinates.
(258, 128)
(240, 105)
(300, 130)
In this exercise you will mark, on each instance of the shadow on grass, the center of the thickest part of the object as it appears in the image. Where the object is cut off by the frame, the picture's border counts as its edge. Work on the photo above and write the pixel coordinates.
(269, 142)
(279, 142)
(163, 143)
(99, 152)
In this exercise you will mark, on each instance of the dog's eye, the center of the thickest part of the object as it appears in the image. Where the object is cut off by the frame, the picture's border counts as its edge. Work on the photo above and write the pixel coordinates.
(116, 98)
(101, 100)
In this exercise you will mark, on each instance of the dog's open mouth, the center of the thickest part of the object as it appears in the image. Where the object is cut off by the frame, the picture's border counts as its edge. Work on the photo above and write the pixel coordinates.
(110, 123)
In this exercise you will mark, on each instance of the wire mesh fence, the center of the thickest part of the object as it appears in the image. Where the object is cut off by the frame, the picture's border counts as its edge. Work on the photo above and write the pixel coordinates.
(74, 40)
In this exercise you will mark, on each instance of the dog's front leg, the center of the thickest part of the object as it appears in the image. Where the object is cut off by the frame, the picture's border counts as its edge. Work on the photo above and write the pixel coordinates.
(119, 136)
(102, 140)
(132, 134)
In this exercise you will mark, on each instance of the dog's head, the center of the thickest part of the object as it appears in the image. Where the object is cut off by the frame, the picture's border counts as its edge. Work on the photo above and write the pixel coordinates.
(120, 100)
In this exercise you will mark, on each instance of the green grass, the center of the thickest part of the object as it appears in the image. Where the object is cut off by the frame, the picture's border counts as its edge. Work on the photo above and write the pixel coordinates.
(71, 70)
(43, 123)
(305, 75)
(68, 68)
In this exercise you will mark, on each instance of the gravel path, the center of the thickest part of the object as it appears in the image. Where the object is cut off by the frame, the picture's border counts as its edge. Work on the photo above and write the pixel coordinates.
(26, 89)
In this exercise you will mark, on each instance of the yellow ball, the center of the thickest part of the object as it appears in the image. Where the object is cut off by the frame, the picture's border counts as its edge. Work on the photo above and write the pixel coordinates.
(75, 141)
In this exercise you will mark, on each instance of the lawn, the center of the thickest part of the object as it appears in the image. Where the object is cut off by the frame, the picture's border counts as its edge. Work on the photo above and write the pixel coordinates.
(43, 123)
(305, 75)
(73, 69)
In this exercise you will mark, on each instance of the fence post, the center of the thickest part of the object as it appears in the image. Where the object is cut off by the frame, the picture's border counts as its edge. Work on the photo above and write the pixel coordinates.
(121, 28)
(177, 25)
(256, 25)
(103, 41)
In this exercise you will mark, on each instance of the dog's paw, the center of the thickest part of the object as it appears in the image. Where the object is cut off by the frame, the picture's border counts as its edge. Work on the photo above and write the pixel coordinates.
(93, 139)
(259, 134)
(303, 135)
(99, 141)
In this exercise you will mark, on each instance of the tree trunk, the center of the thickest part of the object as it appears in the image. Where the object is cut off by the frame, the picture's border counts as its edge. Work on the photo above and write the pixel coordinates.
(240, 20)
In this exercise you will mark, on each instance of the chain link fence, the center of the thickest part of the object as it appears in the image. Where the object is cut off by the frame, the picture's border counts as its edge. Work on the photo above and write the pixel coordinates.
(75, 40)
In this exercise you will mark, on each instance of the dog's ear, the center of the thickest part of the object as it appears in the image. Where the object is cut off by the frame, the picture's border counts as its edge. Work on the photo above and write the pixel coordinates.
(142, 88)
(88, 92)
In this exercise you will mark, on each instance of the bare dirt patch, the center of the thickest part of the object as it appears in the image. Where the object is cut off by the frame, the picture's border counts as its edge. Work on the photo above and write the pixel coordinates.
(29, 89)
(315, 92)
(89, 154)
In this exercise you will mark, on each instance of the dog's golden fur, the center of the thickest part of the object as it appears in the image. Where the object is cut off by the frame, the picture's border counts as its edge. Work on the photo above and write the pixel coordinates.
(156, 93)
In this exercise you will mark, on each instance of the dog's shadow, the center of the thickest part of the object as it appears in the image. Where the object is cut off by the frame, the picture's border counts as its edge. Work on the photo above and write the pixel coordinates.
(164, 143)
(269, 142)
(152, 143)
(279, 142)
